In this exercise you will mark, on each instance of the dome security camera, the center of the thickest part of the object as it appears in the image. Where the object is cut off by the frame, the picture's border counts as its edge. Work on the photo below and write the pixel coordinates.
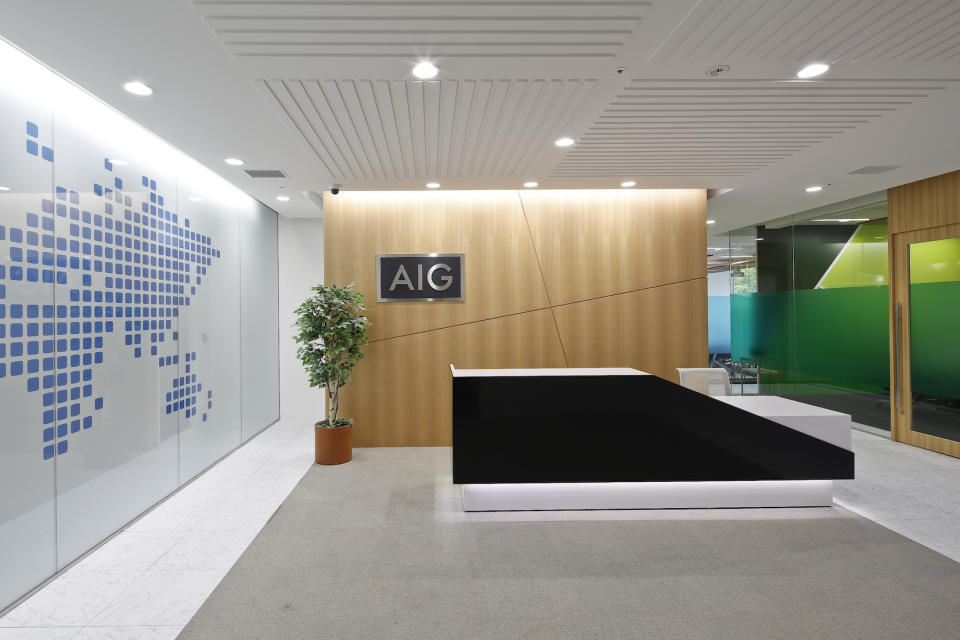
(334, 189)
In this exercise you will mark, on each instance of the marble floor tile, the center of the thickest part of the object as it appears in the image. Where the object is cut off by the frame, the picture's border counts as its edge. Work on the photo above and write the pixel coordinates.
(206, 550)
(73, 599)
(129, 633)
(38, 633)
(130, 551)
(161, 598)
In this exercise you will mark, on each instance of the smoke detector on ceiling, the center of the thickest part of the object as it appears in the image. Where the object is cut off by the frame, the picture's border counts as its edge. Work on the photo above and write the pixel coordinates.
(717, 70)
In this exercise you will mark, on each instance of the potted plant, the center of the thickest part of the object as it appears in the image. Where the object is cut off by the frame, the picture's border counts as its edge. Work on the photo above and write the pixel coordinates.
(331, 329)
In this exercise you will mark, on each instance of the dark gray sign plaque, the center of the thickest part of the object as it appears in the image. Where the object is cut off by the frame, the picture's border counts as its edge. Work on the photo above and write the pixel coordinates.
(420, 277)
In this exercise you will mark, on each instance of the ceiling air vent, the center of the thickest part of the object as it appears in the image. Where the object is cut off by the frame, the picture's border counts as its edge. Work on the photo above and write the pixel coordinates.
(877, 168)
(265, 173)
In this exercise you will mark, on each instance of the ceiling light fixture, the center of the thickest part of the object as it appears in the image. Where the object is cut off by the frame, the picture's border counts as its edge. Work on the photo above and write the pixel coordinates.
(118, 162)
(564, 142)
(283, 198)
(628, 183)
(711, 221)
(137, 88)
(531, 184)
(235, 162)
(4, 188)
(196, 199)
(433, 185)
(426, 70)
(841, 220)
(814, 188)
(813, 70)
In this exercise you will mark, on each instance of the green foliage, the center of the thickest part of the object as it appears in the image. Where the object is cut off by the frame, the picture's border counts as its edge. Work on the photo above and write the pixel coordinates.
(331, 330)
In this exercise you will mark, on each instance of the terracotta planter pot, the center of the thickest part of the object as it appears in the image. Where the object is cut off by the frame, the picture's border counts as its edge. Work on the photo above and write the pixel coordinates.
(333, 446)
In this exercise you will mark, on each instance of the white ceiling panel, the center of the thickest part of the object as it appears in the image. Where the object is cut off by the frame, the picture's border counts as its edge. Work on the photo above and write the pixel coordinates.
(368, 130)
(719, 127)
(827, 30)
(389, 28)
(322, 90)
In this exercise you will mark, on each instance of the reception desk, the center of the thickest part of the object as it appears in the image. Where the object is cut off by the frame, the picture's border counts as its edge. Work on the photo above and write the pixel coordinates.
(529, 439)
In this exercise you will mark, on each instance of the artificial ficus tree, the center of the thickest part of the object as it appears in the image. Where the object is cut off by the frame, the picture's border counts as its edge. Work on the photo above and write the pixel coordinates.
(331, 330)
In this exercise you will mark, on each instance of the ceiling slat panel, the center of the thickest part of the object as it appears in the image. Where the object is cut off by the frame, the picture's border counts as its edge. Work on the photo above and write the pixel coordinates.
(800, 30)
(388, 28)
(714, 125)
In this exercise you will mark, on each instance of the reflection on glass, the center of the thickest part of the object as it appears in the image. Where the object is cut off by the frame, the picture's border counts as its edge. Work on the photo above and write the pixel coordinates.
(809, 316)
(934, 337)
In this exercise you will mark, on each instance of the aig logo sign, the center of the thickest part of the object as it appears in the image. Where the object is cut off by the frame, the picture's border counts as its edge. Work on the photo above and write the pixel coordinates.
(424, 277)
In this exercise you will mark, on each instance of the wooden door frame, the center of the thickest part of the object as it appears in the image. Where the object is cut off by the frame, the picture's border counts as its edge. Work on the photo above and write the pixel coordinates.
(899, 260)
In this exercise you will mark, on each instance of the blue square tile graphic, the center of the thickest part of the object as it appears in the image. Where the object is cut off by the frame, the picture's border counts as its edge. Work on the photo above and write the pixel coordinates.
(154, 253)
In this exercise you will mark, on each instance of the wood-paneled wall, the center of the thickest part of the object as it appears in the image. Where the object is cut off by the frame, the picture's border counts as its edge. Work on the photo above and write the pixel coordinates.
(920, 211)
(933, 202)
(552, 279)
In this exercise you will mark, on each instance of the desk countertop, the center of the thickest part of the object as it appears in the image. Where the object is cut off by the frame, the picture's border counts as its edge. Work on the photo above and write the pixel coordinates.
(508, 373)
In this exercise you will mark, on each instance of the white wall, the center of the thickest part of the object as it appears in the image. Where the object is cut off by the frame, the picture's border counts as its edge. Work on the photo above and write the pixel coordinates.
(300, 245)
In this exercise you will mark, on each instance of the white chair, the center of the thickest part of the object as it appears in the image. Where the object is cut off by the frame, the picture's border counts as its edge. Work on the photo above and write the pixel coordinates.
(712, 381)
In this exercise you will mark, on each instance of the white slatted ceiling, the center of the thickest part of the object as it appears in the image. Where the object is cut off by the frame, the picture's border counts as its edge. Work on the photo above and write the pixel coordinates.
(719, 127)
(829, 30)
(397, 129)
(449, 29)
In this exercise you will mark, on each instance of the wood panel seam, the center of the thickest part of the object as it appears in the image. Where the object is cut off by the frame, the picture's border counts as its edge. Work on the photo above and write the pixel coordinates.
(536, 255)
(520, 313)
(621, 293)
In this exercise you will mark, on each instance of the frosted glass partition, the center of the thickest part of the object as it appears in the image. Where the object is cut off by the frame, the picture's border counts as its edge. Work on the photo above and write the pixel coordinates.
(126, 304)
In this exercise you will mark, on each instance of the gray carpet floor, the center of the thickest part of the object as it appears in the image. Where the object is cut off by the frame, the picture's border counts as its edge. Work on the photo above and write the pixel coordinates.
(378, 548)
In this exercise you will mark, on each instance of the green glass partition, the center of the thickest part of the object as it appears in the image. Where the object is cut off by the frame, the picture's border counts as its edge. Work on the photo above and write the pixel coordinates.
(816, 321)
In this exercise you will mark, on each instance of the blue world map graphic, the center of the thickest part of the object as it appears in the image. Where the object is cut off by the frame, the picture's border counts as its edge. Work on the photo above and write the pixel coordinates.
(150, 263)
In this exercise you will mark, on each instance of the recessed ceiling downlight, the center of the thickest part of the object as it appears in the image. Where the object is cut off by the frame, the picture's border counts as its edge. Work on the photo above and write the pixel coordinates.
(4, 188)
(628, 183)
(283, 198)
(137, 88)
(118, 162)
(433, 185)
(196, 199)
(426, 70)
(814, 188)
(813, 70)
(711, 221)
(531, 184)
(564, 142)
(234, 162)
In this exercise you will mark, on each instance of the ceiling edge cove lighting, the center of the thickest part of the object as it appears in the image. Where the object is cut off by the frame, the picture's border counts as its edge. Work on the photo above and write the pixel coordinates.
(89, 113)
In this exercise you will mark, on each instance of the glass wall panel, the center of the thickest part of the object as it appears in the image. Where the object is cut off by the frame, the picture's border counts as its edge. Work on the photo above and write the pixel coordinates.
(813, 323)
(934, 338)
(27, 382)
(122, 363)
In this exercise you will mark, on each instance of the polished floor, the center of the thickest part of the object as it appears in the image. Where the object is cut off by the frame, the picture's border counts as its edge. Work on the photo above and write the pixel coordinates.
(149, 580)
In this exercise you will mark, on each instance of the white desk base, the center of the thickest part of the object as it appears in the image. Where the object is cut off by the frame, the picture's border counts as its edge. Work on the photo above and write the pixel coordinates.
(646, 495)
